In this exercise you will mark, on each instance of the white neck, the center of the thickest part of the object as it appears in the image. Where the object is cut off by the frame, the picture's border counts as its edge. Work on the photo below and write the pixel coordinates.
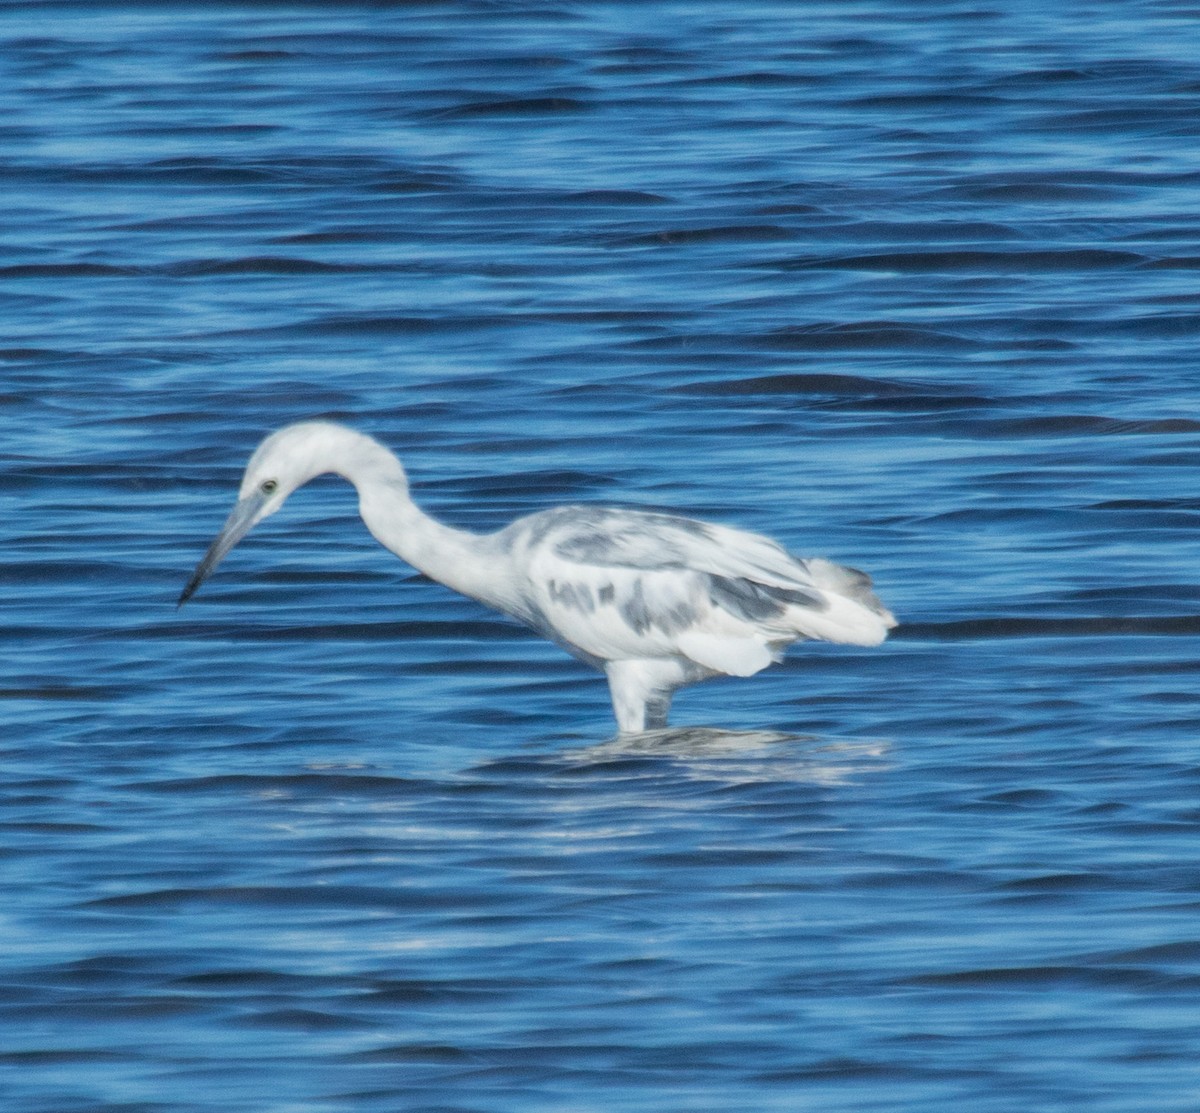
(469, 563)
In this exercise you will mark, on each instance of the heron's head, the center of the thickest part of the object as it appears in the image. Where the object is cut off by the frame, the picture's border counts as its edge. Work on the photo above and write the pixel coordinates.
(287, 459)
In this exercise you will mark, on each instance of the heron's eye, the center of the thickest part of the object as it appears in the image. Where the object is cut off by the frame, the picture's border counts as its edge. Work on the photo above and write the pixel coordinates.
(268, 486)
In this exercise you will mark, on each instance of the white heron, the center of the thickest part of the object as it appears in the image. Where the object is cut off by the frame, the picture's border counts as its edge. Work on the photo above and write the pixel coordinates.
(652, 600)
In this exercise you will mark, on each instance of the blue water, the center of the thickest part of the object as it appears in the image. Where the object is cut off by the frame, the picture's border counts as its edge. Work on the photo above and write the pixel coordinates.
(914, 287)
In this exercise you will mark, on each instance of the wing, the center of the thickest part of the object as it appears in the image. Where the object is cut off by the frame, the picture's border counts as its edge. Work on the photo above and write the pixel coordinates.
(612, 584)
(615, 537)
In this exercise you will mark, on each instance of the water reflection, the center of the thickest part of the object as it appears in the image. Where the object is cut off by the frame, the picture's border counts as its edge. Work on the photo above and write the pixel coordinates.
(743, 755)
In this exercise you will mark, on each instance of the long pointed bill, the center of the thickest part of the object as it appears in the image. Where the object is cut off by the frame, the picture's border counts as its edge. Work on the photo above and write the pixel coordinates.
(236, 526)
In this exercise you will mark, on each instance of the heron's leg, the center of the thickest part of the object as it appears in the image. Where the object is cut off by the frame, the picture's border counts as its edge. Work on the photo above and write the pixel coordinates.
(641, 693)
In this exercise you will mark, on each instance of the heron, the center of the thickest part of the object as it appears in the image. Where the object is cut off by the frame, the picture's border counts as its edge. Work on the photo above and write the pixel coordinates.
(652, 600)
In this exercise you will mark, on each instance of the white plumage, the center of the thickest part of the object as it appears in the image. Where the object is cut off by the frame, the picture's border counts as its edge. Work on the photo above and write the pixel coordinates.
(653, 600)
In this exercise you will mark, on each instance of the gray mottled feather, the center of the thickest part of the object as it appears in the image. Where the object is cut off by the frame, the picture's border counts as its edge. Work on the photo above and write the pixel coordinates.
(748, 576)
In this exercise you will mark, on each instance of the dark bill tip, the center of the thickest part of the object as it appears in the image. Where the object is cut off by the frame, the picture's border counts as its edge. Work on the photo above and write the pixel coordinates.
(236, 526)
(190, 590)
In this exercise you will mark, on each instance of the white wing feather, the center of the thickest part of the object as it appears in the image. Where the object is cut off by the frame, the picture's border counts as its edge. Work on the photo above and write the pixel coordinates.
(616, 584)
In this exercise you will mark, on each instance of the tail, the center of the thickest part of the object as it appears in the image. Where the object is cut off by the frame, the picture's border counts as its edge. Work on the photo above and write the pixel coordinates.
(853, 613)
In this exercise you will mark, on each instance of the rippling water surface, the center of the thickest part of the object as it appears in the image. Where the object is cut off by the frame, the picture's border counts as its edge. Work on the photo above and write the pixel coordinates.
(912, 289)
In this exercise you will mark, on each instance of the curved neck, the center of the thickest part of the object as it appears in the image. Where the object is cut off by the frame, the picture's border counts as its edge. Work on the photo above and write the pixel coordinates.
(467, 562)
